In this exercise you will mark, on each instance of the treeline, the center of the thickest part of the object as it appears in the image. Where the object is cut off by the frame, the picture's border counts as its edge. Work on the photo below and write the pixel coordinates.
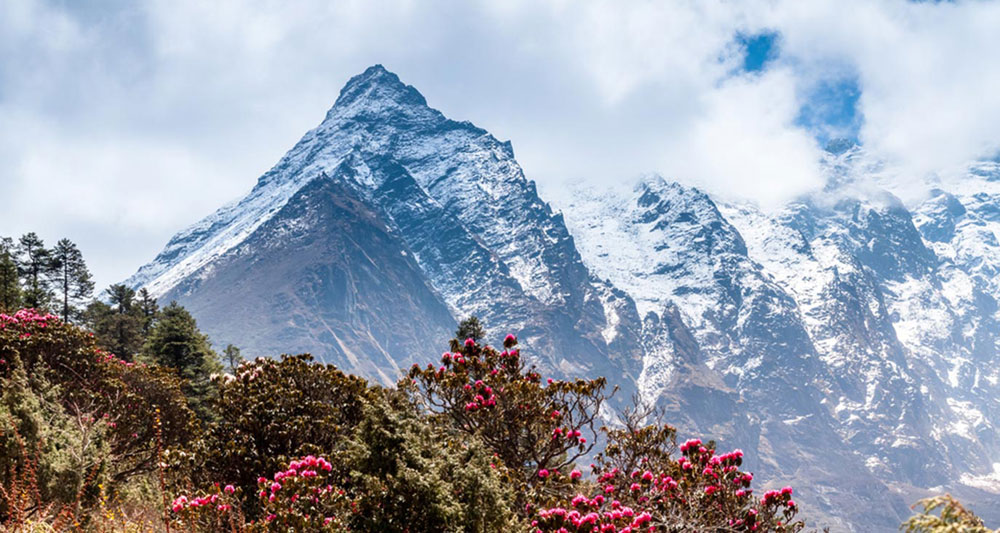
(126, 323)
(34, 276)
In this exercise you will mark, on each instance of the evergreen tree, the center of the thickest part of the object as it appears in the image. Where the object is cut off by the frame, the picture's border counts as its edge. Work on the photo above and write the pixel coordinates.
(72, 279)
(121, 297)
(35, 267)
(118, 326)
(148, 309)
(470, 328)
(175, 342)
(10, 288)
(231, 355)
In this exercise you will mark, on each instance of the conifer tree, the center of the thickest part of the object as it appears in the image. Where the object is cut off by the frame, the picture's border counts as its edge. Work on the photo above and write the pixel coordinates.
(175, 342)
(10, 288)
(470, 328)
(35, 267)
(71, 277)
(231, 355)
(121, 297)
(148, 309)
(118, 326)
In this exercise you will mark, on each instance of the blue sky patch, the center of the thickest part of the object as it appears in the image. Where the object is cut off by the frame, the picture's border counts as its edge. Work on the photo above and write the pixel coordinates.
(760, 49)
(831, 109)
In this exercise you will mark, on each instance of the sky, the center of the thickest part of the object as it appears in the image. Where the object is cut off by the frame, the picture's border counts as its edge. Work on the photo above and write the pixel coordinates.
(121, 123)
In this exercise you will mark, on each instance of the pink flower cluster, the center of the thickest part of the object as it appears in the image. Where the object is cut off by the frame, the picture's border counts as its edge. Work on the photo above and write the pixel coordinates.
(27, 317)
(305, 468)
(207, 501)
(584, 516)
(108, 357)
(484, 396)
(570, 434)
(698, 481)
(299, 495)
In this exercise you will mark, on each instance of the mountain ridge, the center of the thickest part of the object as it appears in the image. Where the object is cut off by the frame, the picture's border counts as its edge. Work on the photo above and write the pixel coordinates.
(795, 334)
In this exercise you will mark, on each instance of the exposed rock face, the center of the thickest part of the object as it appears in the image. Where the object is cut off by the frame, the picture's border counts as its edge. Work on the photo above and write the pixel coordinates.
(847, 342)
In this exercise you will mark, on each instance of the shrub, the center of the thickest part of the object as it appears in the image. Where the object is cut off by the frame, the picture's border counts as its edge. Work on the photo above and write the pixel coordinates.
(536, 428)
(639, 485)
(950, 516)
(395, 468)
(83, 417)
(273, 411)
(404, 473)
(395, 474)
(702, 491)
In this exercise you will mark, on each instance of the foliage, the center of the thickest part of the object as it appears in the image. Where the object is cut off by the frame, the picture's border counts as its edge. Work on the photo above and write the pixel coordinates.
(275, 410)
(83, 415)
(10, 288)
(35, 267)
(70, 278)
(950, 517)
(231, 357)
(470, 328)
(640, 485)
(405, 473)
(41, 448)
(392, 471)
(118, 325)
(535, 428)
(175, 342)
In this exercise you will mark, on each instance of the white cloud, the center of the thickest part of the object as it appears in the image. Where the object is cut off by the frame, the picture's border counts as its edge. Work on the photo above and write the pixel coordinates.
(745, 144)
(929, 73)
(134, 120)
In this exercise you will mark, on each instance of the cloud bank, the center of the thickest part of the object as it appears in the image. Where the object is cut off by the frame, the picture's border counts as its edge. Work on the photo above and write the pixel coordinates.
(122, 123)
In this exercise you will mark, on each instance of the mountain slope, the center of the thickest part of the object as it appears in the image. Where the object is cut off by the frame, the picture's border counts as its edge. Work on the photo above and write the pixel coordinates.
(456, 201)
(848, 342)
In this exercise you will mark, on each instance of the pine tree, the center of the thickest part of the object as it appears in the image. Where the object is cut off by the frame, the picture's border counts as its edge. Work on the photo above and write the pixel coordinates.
(121, 297)
(118, 326)
(148, 309)
(175, 342)
(72, 279)
(231, 355)
(470, 328)
(10, 288)
(35, 268)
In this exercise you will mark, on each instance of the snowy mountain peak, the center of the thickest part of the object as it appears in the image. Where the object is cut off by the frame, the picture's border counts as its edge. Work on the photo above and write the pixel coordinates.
(376, 89)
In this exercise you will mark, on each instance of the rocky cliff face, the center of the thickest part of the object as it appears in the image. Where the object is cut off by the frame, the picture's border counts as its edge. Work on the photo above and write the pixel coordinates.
(847, 342)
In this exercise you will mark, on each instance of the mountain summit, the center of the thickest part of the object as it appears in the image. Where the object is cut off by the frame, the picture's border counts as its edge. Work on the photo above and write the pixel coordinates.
(376, 84)
(849, 345)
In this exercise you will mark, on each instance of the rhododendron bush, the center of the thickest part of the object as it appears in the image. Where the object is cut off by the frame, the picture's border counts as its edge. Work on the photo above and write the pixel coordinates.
(640, 486)
(536, 428)
(273, 411)
(701, 491)
(74, 416)
(299, 498)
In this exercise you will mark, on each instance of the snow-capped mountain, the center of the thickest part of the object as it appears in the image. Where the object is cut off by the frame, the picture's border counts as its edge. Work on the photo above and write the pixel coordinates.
(848, 343)
(467, 232)
(875, 319)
